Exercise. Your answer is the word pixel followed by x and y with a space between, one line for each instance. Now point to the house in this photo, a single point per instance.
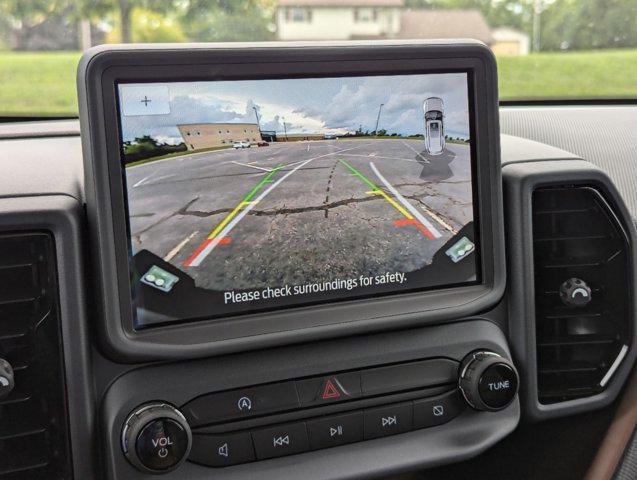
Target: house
pixel 338 19
pixel 507 41
pixel 374 19
pixel 415 24
pixel 208 135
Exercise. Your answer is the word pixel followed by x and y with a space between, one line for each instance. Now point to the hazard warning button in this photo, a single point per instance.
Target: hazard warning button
pixel 335 388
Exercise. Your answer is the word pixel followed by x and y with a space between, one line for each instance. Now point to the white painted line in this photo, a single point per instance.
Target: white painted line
pixel 613 368
pixel 406 204
pixel 252 166
pixel 228 228
pixel 293 163
pixel 414 150
pixel 183 157
pixel 439 220
pixel 384 158
pixel 179 246
pixel 142 180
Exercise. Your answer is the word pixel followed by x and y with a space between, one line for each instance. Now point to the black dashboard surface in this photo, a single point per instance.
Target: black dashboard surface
pixel 602 135
pixel 44 159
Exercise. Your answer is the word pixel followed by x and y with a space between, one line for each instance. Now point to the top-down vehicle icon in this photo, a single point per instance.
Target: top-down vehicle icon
pixel 434 109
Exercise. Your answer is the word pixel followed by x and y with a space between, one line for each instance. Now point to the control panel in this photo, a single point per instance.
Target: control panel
pixel 261 422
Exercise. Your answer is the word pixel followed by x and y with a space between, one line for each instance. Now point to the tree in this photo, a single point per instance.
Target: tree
pixel 228 20
pixel 151 27
pixel 147 147
pixel 43 25
pixel 124 10
pixel 516 14
pixel 590 24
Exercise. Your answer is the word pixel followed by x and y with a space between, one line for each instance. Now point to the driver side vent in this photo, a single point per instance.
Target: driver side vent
pixel 582 292
pixel 34 440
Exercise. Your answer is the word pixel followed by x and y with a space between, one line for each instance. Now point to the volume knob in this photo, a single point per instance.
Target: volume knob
pixel 156 438
pixel 488 381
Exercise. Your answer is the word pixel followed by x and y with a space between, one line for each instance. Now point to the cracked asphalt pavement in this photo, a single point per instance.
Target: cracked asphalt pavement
pixel 312 212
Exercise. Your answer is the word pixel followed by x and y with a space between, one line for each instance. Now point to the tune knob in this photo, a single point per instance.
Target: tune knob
pixel 574 292
pixel 156 438
pixel 488 381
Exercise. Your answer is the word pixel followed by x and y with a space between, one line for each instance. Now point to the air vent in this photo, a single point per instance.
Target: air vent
pixel 34 441
pixel 582 292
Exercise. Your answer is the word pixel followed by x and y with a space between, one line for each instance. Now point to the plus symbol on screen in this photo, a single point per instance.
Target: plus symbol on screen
pixel 146 101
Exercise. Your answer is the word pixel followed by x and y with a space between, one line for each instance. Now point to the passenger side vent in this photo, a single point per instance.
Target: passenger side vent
pixel 34 439
pixel 581 257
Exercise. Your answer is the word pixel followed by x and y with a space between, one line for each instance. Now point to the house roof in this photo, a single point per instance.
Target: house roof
pixel 341 3
pixel 445 24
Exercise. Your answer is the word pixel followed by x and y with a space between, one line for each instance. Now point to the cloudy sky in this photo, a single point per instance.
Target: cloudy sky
pixel 318 105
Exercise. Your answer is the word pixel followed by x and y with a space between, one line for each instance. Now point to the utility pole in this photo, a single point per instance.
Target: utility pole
pixel 85 35
pixel 256 114
pixel 378 119
pixel 537 27
pixel 285 129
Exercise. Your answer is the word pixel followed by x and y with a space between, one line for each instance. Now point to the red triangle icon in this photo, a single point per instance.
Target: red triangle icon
pixel 330 391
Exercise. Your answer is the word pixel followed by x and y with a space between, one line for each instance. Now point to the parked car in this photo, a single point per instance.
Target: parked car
pixel 241 144
pixel 434 109
pixel 262 143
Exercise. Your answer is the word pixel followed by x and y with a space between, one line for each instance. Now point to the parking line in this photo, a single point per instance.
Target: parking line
pixel 414 150
pixel 179 246
pixel 426 223
pixel 384 158
pixel 142 180
pixel 252 166
pixel 228 223
pixel 211 241
pixel 409 218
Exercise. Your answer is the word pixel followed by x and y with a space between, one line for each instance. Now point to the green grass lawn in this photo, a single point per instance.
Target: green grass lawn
pixel 34 84
pixel 594 74
pixel 44 83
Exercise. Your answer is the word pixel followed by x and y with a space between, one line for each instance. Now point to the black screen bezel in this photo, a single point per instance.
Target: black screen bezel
pixel 100 70
pixel 212 316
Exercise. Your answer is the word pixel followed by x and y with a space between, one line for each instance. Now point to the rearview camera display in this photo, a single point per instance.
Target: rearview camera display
pixel 250 195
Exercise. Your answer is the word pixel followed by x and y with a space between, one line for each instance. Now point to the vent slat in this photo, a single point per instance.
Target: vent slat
pixel 574 340
pixel 34 440
pixel 576 235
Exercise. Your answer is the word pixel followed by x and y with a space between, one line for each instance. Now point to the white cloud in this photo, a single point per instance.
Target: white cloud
pixel 310 105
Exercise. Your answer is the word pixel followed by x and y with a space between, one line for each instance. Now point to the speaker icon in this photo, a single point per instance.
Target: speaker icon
pixel 223 450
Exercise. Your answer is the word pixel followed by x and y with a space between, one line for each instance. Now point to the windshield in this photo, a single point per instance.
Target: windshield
pixel 546 49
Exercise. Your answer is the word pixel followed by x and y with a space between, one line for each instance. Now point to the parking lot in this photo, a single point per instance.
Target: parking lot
pixel 300 211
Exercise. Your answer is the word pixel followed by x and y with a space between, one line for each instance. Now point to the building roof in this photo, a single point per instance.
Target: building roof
pixel 214 123
pixel 444 24
pixel 341 3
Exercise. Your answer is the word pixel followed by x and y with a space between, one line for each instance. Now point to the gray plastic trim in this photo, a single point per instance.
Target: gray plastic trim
pixel 463 437
pixel 61 215
pixel 520 180
pixel 102 67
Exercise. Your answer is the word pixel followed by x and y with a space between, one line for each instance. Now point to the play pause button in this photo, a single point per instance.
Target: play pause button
pixel 335 430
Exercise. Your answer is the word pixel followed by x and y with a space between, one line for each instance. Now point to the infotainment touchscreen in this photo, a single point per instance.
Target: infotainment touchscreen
pixel 253 195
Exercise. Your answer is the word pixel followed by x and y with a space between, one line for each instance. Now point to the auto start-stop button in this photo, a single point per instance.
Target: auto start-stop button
pixel 498 385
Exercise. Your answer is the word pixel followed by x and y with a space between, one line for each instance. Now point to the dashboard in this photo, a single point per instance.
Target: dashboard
pixel 213 314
